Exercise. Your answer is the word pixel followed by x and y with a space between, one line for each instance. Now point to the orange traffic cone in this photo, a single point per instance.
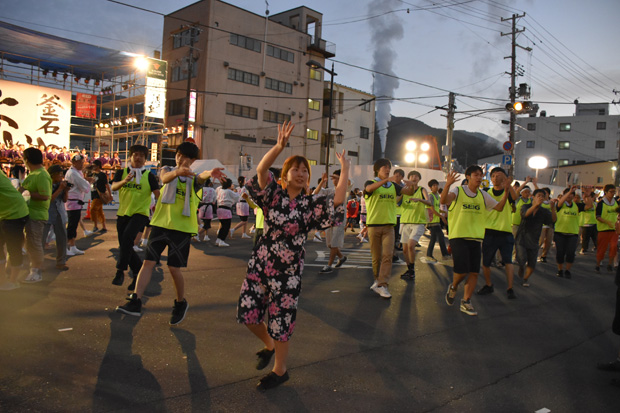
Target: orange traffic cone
pixel 87 211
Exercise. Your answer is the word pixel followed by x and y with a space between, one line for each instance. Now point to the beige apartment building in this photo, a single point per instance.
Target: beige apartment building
pixel 250 73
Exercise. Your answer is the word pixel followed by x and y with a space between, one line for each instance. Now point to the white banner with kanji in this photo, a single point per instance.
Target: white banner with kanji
pixel 34 114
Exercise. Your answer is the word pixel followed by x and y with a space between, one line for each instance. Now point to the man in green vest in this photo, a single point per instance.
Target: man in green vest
pixel 134 185
pixel 498 234
pixel 13 218
pixel 380 195
pixel 566 234
pixel 467 206
pixel 606 217
pixel 413 221
pixel 174 223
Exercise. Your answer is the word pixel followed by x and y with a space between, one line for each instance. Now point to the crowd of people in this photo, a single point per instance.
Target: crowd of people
pixel 508 223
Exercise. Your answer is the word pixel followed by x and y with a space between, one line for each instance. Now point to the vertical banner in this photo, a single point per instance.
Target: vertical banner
pixel 155 95
pixel 86 106
pixel 34 114
pixel 192 106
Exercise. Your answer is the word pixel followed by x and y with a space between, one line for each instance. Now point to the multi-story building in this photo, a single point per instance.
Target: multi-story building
pixel 590 135
pixel 250 73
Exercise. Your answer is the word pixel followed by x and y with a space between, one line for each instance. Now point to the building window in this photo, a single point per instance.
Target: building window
pixel 180 72
pixel 599 180
pixel 241 111
pixel 366 107
pixel 530 144
pixel 564 145
pixel 312 134
pixel 564 127
pixel 314 104
pixel 280 54
pixel 176 107
pixel 364 132
pixel 599 144
pixel 315 74
pixel 311 162
pixel 275 117
pixel 245 42
pixel 601 112
pixel 184 38
pixel 531 126
pixel 601 125
pixel 241 76
pixel 352 153
pixel 279 86
pixel 562 162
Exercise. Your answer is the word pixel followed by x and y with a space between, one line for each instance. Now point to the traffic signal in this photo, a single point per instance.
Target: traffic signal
pixel 520 107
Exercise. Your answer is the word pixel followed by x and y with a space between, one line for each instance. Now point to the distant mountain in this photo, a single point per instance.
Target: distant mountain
pixel 468 146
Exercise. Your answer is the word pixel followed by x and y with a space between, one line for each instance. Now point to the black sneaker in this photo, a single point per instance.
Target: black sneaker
pixel 405 275
pixel 341 261
pixel 103 231
pixel 132 285
pixel 542 259
pixel 133 307
pixel 178 312
pixel 567 274
pixel 511 294
pixel 486 289
pixel 119 278
pixel 271 380
pixel 326 270
pixel 450 294
pixel 264 357
pixel 560 273
pixel 610 268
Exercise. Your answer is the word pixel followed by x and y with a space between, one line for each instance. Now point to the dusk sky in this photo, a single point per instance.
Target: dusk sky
pixel 438 46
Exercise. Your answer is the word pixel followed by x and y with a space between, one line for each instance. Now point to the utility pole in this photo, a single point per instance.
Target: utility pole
pixel 447 165
pixel 513 89
pixel 190 66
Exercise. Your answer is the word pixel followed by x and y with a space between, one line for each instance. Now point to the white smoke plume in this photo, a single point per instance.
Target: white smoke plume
pixel 386 30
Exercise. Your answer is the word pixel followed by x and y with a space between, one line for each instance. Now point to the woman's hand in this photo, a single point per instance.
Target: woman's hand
pixel 344 161
pixel 284 133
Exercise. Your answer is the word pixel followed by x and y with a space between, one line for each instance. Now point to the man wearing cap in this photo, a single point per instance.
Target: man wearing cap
pixel 78 188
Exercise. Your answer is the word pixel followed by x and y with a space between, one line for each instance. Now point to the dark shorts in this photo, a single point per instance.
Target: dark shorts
pixel 206 223
pixel 243 218
pixel 526 256
pixel 177 242
pixel 495 240
pixel 466 255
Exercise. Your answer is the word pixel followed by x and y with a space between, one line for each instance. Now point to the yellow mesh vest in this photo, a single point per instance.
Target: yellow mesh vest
pixel 134 198
pixel 467 215
pixel 381 206
pixel 413 212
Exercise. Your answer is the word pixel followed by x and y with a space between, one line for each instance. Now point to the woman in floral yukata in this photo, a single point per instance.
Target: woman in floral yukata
pixel 273 281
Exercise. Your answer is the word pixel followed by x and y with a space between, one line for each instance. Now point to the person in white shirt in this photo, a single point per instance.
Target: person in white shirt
pixel 226 198
pixel 78 188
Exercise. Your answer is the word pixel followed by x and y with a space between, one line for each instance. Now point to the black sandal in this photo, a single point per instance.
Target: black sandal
pixel 264 357
pixel 271 380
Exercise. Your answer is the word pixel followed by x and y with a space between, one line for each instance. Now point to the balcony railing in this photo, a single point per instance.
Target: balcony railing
pixel 327 49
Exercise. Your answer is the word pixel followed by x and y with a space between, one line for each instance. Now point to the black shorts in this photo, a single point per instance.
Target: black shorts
pixel 243 218
pixel 466 255
pixel 206 223
pixel 177 242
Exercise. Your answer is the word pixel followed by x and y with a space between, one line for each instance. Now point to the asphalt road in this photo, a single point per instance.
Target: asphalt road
pixel 63 348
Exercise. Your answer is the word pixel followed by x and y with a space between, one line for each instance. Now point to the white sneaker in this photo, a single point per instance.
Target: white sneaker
pixel 70 253
pixel 245 235
pixel 33 277
pixel 223 244
pixel 87 233
pixel 196 238
pixel 317 238
pixel 76 251
pixel 137 249
pixel 217 242
pixel 206 238
pixel 363 240
pixel 374 285
pixel 8 286
pixel 382 291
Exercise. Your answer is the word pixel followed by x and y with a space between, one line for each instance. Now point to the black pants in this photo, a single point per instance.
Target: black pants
pixel 128 228
pixel 565 245
pixel 436 235
pixel 73 220
pixel 225 227
pixel 589 233
pixel 12 235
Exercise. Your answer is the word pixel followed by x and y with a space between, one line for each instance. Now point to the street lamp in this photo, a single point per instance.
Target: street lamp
pixel 316 65
pixel 537 162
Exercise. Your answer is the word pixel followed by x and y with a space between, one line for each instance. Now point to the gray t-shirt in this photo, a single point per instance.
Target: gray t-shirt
pixel 529 231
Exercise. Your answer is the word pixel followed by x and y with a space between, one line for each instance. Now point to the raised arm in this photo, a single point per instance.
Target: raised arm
pixel 262 170
pixel 446 196
pixel 343 182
